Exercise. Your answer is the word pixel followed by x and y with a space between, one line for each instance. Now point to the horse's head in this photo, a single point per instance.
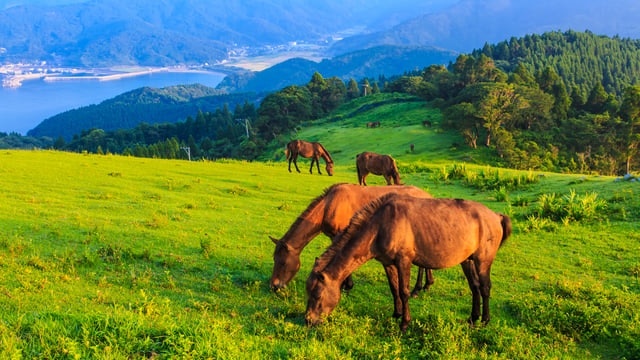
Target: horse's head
pixel 285 265
pixel 323 295
pixel 329 168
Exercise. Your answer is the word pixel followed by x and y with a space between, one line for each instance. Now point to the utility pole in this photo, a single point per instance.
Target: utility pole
pixel 246 125
pixel 188 150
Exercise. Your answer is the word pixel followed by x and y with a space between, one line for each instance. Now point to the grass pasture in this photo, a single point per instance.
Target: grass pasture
pixel 118 257
pixel 113 257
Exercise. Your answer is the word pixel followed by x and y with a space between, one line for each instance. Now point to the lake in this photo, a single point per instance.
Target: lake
pixel 23 108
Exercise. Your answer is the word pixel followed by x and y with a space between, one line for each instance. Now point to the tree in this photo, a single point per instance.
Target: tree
pixel 281 111
pixel 497 107
pixel 353 92
pixel 630 111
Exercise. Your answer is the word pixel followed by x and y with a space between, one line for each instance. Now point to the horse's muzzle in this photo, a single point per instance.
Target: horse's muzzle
pixel 276 285
pixel 312 322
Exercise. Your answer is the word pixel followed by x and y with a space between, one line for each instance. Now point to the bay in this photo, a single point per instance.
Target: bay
pixel 23 108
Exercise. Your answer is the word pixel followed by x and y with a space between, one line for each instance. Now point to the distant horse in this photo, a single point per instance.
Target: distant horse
pixel 330 213
pixel 313 150
pixel 373 124
pixel 426 123
pixel 385 165
pixel 412 147
pixel 399 230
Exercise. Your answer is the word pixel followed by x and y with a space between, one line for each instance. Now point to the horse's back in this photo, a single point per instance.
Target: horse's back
pixel 440 232
pixel 341 201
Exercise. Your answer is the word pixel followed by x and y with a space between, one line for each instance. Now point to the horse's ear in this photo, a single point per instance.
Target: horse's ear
pixel 275 241
pixel 315 263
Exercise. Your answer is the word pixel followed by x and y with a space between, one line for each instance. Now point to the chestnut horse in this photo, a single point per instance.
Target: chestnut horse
pixel 373 124
pixel 400 230
pixel 330 213
pixel 385 165
pixel 313 150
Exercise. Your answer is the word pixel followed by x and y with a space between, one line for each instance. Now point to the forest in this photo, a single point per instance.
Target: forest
pixel 560 101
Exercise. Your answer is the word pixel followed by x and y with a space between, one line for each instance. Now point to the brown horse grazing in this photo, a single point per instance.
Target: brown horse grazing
pixel 313 150
pixel 400 230
pixel 385 165
pixel 373 124
pixel 330 213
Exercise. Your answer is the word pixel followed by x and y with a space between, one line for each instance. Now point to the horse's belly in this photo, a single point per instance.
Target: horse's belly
pixel 444 256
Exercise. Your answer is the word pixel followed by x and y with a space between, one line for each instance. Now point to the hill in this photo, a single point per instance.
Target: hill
pixel 369 63
pixel 144 105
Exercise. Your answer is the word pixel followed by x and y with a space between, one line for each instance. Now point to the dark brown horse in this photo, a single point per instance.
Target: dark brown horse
pixel 330 213
pixel 385 165
pixel 400 230
pixel 373 124
pixel 313 150
pixel 426 123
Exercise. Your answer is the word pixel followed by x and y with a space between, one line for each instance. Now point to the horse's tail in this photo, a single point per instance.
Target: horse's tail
pixel 358 168
pixel 288 153
pixel 395 173
pixel 505 221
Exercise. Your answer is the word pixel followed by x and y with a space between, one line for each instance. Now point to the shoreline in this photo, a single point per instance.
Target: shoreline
pixel 113 74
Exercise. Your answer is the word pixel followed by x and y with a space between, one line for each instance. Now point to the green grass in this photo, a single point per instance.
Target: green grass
pixel 117 257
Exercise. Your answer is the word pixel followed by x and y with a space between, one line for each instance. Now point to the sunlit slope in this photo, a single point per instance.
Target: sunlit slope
pixel 345 133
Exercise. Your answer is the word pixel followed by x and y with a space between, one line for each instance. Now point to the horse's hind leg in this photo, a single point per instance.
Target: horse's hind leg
pixel 469 268
pixel 363 178
pixel 484 274
pixel 392 277
pixel 295 162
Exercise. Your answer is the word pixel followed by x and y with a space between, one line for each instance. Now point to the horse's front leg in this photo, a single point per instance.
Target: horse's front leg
pixel 428 275
pixel 404 280
pixel 392 277
pixel 317 160
pixel 347 284
pixel 469 268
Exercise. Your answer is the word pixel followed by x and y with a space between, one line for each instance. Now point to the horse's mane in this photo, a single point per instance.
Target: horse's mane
pixel 328 159
pixel 360 218
pixel 310 208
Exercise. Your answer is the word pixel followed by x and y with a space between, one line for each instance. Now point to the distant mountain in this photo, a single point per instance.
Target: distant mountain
pixel 469 24
pixel 167 32
pixel 371 63
pixel 148 105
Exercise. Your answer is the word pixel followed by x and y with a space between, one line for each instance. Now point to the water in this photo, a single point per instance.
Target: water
pixel 23 108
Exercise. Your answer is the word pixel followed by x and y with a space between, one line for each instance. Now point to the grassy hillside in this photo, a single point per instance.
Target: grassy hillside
pixel 119 257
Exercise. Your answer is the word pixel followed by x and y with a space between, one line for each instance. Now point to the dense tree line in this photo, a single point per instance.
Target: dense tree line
pixel 533 119
pixel 146 104
pixel 242 133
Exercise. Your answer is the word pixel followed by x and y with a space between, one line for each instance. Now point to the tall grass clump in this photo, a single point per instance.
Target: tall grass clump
pixel 571 207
